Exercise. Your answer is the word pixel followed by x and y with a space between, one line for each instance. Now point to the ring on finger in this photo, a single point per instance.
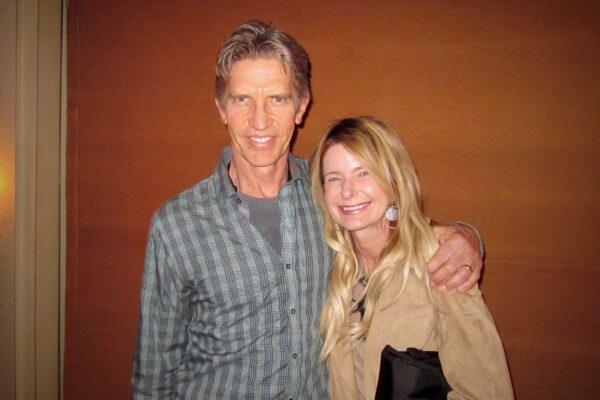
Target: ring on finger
pixel 467 266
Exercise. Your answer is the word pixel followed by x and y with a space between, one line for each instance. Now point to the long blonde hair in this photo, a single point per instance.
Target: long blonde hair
pixel 410 243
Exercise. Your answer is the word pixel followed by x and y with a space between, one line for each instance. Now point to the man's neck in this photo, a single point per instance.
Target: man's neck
pixel 260 182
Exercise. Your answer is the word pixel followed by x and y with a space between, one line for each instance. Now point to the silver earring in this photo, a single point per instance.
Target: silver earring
pixel 391 213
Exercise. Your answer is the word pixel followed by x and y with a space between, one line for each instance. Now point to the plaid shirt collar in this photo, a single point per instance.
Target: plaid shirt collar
pixel 225 188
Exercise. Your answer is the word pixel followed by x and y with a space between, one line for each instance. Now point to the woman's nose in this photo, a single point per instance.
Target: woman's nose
pixel 348 188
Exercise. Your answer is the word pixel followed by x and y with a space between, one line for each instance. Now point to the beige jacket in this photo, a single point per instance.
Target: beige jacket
pixel 463 333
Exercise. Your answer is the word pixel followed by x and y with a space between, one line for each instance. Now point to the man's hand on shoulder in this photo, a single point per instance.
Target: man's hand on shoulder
pixel 457 263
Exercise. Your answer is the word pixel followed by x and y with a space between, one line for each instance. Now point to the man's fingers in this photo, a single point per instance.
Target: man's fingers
pixel 443 273
pixel 461 276
pixel 472 281
pixel 447 266
pixel 435 265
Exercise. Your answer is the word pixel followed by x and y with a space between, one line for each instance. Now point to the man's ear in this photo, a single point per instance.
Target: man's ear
pixel 221 111
pixel 302 109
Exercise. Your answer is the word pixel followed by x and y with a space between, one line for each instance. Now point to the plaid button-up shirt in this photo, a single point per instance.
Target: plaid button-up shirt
pixel 224 316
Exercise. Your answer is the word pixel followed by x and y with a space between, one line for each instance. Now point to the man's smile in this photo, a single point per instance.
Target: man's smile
pixel 260 139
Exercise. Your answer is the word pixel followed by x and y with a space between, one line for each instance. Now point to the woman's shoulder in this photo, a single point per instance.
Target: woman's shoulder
pixel 413 290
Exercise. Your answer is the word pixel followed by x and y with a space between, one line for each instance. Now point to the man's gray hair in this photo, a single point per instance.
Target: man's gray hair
pixel 256 39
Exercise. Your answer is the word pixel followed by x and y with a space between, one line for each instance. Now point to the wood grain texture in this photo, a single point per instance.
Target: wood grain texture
pixel 496 102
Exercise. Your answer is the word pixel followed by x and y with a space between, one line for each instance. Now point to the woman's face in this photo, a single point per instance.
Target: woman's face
pixel 353 197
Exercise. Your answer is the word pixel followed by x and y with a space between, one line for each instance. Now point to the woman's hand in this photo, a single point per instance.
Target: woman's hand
pixel 457 263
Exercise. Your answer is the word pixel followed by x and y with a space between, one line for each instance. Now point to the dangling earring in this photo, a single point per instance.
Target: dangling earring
pixel 391 213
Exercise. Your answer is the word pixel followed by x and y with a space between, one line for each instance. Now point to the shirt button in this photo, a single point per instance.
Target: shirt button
pixel 294 356
pixel 238 200
pixel 293 311
pixel 288 266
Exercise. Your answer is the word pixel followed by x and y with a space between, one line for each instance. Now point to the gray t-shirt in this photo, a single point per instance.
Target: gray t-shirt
pixel 264 215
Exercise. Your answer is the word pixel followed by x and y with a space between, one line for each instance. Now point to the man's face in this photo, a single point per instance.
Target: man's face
pixel 260 112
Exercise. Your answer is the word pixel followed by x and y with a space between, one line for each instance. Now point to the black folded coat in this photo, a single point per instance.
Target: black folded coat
pixel 410 375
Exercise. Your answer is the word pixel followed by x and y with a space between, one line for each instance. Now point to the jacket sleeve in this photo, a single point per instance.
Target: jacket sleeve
pixel 470 349
pixel 162 327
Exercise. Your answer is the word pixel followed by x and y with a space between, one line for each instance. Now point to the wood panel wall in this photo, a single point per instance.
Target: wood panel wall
pixel 497 102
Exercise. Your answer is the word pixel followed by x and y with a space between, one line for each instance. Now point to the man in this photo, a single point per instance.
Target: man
pixel 236 266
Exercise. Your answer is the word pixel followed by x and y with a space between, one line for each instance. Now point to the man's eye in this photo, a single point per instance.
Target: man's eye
pixel 240 99
pixel 279 99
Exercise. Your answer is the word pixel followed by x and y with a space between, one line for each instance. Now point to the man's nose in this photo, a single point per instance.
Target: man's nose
pixel 260 116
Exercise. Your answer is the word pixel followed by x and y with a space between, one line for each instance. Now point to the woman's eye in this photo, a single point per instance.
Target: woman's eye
pixel 363 173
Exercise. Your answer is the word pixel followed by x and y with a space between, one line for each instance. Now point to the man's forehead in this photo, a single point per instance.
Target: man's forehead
pixel 253 66
pixel 259 73
pixel 262 59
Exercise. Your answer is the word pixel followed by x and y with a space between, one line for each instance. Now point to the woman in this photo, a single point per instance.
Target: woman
pixel 378 294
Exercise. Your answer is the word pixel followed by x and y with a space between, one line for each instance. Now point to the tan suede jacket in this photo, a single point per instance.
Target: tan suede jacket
pixel 461 330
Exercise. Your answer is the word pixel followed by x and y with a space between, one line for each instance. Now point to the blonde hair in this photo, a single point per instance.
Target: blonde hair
pixel 409 245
